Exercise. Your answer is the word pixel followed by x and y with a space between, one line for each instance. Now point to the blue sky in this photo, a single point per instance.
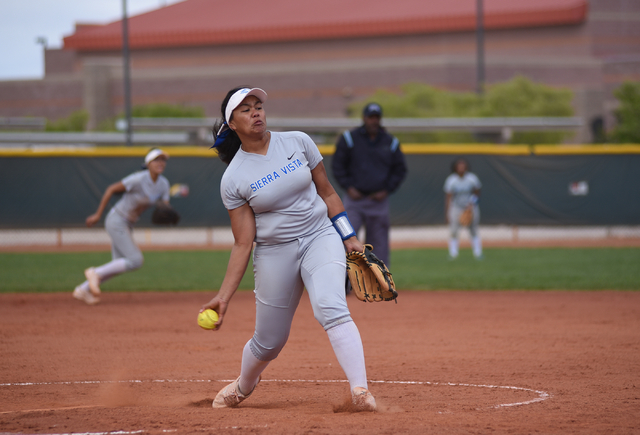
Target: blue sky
pixel 23 21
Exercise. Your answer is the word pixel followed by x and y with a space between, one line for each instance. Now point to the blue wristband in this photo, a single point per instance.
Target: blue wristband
pixel 473 199
pixel 343 226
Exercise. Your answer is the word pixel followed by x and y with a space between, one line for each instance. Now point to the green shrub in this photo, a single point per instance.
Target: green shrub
pixel 628 114
pixel 422 101
pixel 76 121
pixel 107 125
pixel 162 110
pixel 159 110
pixel 517 97
pixel 521 97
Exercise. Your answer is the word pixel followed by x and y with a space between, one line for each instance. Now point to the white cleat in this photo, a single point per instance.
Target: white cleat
pixel 85 296
pixel 231 396
pixel 363 400
pixel 94 281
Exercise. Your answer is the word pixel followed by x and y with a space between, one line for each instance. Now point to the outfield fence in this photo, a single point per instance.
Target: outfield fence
pixel 541 191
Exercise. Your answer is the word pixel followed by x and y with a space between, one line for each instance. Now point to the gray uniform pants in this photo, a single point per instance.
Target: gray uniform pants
pixel 454 220
pixel 122 244
pixel 281 272
pixel 374 215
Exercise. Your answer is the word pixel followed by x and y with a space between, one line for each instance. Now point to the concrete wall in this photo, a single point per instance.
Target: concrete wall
pixel 52 98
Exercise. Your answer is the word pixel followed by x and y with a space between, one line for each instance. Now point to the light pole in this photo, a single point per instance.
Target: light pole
pixel 479 47
pixel 126 73
pixel 42 40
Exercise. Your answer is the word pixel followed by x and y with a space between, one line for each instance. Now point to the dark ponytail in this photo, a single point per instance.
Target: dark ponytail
pixel 229 145
pixel 228 148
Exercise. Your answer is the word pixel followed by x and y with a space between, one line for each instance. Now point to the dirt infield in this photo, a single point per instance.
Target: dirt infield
pixel 440 363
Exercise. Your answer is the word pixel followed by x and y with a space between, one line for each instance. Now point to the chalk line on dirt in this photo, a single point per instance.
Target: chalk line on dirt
pixel 542 395
pixel 134 432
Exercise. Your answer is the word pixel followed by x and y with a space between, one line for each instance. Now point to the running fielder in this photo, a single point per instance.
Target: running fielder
pixel 140 190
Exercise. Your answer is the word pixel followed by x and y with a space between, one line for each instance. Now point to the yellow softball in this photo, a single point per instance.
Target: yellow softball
pixel 207 319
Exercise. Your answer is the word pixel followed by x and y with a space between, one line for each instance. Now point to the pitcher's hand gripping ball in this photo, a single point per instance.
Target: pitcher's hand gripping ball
pixel 370 279
pixel 207 319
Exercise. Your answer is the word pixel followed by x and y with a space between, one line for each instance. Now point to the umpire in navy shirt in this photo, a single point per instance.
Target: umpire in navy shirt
pixel 369 165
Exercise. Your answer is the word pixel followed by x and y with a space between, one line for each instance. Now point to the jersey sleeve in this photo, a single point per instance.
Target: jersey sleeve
pixel 311 151
pixel 130 181
pixel 448 184
pixel 230 194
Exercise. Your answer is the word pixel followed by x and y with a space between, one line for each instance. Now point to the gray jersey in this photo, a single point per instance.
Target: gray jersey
pixel 461 188
pixel 278 188
pixel 141 193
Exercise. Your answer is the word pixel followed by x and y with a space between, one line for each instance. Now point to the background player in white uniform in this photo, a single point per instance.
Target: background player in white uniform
pixel 277 194
pixel 140 190
pixel 462 189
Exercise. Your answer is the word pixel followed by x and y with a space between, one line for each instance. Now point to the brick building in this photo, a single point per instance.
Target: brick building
pixel 314 58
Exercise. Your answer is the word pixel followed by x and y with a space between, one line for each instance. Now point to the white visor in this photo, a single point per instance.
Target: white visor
pixel 154 154
pixel 238 98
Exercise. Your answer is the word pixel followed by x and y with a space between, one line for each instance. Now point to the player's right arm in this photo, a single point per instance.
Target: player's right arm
pixel 243 226
pixel 448 194
pixel 111 190
pixel 447 203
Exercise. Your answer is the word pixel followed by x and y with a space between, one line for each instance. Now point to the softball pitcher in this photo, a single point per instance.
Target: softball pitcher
pixel 140 190
pixel 277 194
pixel 462 190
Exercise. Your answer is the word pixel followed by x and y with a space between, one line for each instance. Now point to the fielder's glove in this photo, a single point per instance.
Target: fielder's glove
pixel 370 279
pixel 164 214
pixel 466 217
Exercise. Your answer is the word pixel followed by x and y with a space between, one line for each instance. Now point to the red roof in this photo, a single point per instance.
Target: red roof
pixel 217 22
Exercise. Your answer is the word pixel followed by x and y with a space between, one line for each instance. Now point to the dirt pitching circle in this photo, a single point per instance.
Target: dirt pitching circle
pixel 439 362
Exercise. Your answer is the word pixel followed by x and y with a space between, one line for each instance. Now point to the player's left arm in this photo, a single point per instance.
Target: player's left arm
pixel 475 193
pixel 474 198
pixel 333 202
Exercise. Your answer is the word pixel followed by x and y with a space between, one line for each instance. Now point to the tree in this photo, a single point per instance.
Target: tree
pixel 76 121
pixel 159 110
pixel 628 114
pixel 517 97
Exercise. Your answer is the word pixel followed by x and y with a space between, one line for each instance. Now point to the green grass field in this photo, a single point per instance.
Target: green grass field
pixel 417 269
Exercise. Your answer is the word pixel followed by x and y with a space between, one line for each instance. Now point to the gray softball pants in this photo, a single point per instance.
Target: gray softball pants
pixel 122 244
pixel 454 220
pixel 281 273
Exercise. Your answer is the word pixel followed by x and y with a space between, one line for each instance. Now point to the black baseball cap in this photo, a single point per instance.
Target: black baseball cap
pixel 372 109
